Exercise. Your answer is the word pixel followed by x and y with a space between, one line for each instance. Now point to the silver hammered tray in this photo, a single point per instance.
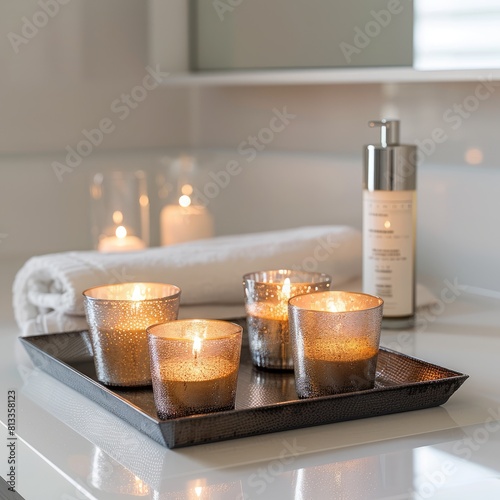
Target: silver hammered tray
pixel 265 401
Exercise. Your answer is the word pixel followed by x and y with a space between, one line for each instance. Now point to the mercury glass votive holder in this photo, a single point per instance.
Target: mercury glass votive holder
pixel 335 340
pixel 266 303
pixel 194 366
pixel 118 316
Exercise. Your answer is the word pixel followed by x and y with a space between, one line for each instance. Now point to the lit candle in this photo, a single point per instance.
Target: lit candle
pixel 335 337
pixel 266 298
pixel 185 222
pixel 268 329
pixel 118 316
pixel 121 242
pixel 198 387
pixel 194 366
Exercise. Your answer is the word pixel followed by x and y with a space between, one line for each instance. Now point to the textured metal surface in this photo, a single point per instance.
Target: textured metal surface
pixel 402 384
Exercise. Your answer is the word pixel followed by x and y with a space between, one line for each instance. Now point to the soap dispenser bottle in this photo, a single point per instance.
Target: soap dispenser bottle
pixel 389 224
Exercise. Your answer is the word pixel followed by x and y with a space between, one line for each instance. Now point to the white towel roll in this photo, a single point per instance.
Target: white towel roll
pixel 47 291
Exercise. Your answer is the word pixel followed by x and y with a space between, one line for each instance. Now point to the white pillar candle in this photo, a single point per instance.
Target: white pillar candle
pixel 185 222
pixel 121 242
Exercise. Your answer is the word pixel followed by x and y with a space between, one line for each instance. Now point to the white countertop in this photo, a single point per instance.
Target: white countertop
pixel 70 448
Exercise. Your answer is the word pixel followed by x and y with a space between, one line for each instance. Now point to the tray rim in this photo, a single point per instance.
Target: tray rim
pixel 27 341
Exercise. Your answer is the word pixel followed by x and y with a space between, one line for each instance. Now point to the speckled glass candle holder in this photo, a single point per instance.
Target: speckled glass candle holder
pixel 118 316
pixel 335 341
pixel 266 302
pixel 194 366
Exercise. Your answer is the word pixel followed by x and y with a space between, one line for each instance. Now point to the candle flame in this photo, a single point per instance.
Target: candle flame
pixel 337 305
pixel 196 346
pixel 331 306
pixel 121 232
pixel 286 289
pixel 198 490
pixel 184 201
pixel 137 293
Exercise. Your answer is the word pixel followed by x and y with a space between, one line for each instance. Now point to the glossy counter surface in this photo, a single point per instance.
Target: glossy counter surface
pixel 71 448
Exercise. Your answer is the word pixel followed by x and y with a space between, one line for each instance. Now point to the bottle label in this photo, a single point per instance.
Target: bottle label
pixel 389 249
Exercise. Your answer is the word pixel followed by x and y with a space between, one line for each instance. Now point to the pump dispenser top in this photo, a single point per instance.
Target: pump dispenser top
pixel 389 166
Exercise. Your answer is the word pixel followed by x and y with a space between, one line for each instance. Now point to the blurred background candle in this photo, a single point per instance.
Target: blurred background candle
pixel 119 211
pixel 185 222
pixel 184 217
pixel 121 242
pixel 335 340
pixel 118 316
pixel 194 366
pixel 266 302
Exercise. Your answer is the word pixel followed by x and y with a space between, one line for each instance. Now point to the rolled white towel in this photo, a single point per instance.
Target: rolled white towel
pixel 47 290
